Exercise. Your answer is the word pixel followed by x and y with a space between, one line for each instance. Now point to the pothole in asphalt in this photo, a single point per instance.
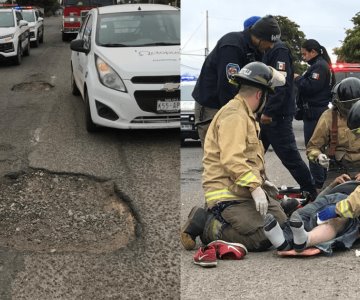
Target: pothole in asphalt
pixel 32 86
pixel 46 212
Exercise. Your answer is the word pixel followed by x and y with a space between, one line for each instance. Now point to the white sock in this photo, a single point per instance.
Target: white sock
pixel 274 233
pixel 299 233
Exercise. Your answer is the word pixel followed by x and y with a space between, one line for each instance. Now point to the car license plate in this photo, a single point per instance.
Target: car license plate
pixel 168 105
pixel 186 127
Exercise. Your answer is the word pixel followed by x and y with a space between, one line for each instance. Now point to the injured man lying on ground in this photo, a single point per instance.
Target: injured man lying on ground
pixel 304 229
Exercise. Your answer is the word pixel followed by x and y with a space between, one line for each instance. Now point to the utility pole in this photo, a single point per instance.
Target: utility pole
pixel 207 36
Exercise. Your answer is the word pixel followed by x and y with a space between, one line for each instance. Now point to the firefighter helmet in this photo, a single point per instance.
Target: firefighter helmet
pixel 260 75
pixel 353 120
pixel 345 94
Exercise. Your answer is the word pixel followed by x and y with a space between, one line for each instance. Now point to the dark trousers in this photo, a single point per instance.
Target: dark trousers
pixel 318 172
pixel 245 224
pixel 280 135
pixel 203 118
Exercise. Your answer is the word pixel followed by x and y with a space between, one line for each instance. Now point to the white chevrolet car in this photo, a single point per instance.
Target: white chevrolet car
pixel 14 35
pixel 32 15
pixel 126 65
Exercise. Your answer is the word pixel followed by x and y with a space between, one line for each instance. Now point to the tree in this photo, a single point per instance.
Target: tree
pixel 293 37
pixel 350 49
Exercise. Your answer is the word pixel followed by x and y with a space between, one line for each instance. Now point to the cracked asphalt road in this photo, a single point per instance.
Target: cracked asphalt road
pixel 82 216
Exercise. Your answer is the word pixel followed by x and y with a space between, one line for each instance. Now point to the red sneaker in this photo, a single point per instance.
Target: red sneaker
pixel 206 257
pixel 226 250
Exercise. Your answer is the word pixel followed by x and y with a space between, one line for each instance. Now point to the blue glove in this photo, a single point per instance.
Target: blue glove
pixel 327 213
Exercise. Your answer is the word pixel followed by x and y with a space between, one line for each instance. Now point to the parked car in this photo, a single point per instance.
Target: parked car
pixel 125 64
pixel 14 35
pixel 344 70
pixel 188 129
pixel 32 15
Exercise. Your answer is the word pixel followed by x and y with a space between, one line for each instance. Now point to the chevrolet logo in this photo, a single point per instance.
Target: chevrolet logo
pixel 171 86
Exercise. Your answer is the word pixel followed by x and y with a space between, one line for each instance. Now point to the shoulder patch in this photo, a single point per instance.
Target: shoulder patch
pixel 281 66
pixel 231 69
pixel 315 76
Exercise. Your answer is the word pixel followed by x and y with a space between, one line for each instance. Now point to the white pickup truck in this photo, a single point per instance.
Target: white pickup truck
pixel 14 35
pixel 33 16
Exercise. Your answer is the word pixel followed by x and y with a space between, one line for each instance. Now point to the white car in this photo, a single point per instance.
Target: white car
pixel 188 129
pixel 14 35
pixel 126 65
pixel 36 23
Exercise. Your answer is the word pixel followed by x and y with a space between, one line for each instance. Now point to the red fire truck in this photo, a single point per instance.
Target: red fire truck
pixel 74 12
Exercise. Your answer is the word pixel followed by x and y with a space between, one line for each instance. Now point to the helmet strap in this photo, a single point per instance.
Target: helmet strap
pixel 264 95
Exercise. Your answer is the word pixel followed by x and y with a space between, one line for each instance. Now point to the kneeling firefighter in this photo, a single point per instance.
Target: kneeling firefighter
pixel 237 193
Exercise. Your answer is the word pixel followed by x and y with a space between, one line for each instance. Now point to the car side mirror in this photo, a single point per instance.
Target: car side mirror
pixel 23 23
pixel 78 46
pixel 40 19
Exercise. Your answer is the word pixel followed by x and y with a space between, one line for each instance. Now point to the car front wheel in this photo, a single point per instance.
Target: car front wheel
pixel 27 50
pixel 37 42
pixel 90 126
pixel 41 40
pixel 74 89
pixel 17 58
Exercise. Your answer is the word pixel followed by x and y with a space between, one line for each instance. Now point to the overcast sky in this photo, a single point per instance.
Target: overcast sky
pixel 323 20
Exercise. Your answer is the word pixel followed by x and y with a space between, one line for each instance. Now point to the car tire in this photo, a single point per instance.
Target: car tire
pixel 90 126
pixel 18 57
pixel 41 40
pixel 65 38
pixel 74 89
pixel 27 50
pixel 37 42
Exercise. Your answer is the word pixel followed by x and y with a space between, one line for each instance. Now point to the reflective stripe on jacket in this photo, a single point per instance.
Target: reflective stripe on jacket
pixel 348 146
pixel 233 154
pixel 350 207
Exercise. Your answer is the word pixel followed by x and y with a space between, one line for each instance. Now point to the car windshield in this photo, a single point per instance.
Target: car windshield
pixel 138 29
pixel 6 19
pixel 186 91
pixel 87 2
pixel 28 15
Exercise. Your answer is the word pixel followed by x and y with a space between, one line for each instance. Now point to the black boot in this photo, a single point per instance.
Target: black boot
pixel 193 227
pixel 212 229
pixel 289 205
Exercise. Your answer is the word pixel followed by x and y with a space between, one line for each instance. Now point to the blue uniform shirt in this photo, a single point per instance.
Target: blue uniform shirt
pixel 315 85
pixel 282 102
pixel 233 51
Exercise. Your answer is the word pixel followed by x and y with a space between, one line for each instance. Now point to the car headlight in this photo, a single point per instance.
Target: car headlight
pixel 7 37
pixel 108 76
pixel 187 106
